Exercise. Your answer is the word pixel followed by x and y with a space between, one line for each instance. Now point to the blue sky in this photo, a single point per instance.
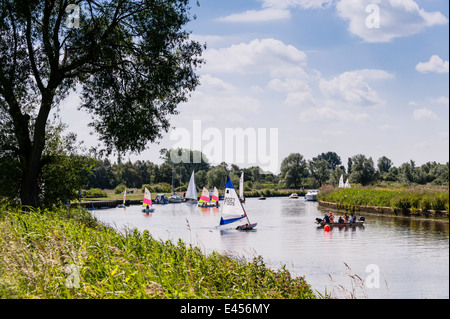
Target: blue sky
pixel 315 71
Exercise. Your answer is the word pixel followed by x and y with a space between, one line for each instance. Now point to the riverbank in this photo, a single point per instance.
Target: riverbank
pixel 412 202
pixel 68 254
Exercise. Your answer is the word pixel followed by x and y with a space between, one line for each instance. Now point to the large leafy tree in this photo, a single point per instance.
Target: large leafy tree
pixel 293 169
pixel 363 170
pixel 132 61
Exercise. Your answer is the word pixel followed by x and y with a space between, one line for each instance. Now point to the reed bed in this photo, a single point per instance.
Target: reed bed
pixel 68 254
pixel 398 199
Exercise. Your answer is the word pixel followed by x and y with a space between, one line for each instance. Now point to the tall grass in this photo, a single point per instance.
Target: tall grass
pixel 68 254
pixel 400 199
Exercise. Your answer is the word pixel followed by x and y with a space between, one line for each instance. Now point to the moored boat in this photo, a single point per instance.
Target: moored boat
pixel 311 195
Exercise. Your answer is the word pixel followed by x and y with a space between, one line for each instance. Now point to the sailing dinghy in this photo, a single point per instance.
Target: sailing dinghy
pixel 215 197
pixel 205 200
pixel 147 202
pixel 191 193
pixel 124 199
pixel 233 211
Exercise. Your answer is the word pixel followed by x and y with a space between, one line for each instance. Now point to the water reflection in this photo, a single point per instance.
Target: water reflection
pixel 412 255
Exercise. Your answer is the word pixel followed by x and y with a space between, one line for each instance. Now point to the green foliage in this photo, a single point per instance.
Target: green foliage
pixel 217 177
pixel 293 169
pixel 158 188
pixel 133 61
pixel 63 254
pixel 94 193
pixel 363 170
pixel 119 189
pixel 401 199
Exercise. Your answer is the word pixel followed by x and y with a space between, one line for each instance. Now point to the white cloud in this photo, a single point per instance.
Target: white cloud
pixel 258 56
pixel 351 87
pixel 424 114
pixel 398 18
pixel 435 64
pixel 273 10
pixel 331 114
pixel 288 85
pixel 300 98
pixel 441 100
pixel 208 81
pixel 374 74
pixel 270 14
pixel 305 4
pixel 385 128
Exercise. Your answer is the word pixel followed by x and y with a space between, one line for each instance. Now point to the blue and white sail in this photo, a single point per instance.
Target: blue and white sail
pixel 232 208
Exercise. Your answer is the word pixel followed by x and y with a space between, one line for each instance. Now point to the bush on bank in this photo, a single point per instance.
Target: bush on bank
pixel 68 254
pixel 399 199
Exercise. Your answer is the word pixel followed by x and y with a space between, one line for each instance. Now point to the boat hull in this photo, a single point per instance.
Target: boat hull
pixel 358 223
pixel 247 227
pixel 311 198
pixel 207 206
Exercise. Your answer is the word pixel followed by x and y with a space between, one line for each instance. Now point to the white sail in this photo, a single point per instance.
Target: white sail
pixel 147 202
pixel 232 208
pixel 204 197
pixel 341 182
pixel 215 196
pixel 347 184
pixel 241 187
pixel 191 192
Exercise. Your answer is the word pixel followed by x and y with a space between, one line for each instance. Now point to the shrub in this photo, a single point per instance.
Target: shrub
pixel 119 189
pixel 94 192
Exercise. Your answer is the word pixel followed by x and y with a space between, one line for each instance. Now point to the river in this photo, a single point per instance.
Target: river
pixel 392 257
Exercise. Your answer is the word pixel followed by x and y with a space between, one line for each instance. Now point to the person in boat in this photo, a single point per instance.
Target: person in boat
pixel 326 218
pixel 341 220
pixel 346 218
pixel 353 220
pixel 331 218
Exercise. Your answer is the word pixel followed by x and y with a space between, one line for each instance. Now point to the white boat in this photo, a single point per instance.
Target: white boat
pixel 241 188
pixel 233 211
pixel 174 199
pixel 147 202
pixel 191 193
pixel 294 195
pixel 311 195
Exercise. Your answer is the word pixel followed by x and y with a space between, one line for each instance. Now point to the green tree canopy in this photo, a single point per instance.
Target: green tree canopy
pixel 132 59
pixel 293 169
pixel 363 170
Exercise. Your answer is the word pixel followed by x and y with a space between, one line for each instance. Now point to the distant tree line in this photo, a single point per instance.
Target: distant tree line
pixel 296 172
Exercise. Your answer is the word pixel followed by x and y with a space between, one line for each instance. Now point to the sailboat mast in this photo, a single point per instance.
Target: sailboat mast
pixel 246 216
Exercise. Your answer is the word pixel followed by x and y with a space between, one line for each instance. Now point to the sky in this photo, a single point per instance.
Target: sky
pixel 311 76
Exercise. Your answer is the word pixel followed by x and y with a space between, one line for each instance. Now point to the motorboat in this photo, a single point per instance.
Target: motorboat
pixel 174 199
pixel 311 195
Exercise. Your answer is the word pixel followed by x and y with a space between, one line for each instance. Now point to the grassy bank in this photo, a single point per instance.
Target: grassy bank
pixel 412 199
pixel 67 254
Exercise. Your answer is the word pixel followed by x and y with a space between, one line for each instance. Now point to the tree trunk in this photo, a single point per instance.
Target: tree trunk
pixel 30 188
